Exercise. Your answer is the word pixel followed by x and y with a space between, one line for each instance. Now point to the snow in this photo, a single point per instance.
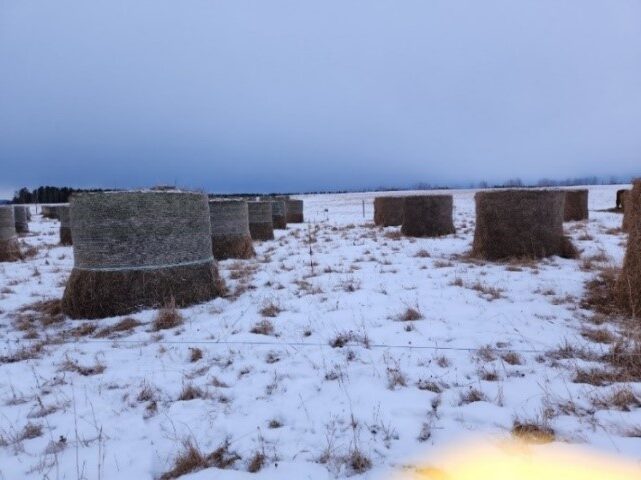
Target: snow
pixel 335 274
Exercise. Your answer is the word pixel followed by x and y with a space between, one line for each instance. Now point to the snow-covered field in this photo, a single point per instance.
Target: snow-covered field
pixel 347 369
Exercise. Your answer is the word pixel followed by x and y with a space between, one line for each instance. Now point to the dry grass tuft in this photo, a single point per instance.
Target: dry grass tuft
pixel 512 358
pixel 533 432
pixel 599 335
pixel 472 395
pixel 264 327
pixel 189 460
pixel 125 325
pixel 270 310
pixel 195 354
pixel 342 339
pixel 257 462
pixel 358 461
pixel 43 312
pixel 167 317
pixel 191 392
pixel 410 315
pixel 621 398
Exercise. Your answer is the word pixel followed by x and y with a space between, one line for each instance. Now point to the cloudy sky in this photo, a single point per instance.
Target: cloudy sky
pixel 290 95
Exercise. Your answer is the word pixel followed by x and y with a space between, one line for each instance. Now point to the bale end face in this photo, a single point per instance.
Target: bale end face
pixel 261 231
pixel 65 236
pixel 428 216
pixel 388 211
pixel 98 294
pixel 520 224
pixel 225 247
pixel 10 250
pixel 628 285
pixel 576 205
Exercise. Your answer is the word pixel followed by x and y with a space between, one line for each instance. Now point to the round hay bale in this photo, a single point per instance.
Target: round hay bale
pixel 230 237
pixel 520 223
pixel 48 211
pixel 261 225
pixel 628 285
pixel 625 205
pixel 21 218
pixel 279 214
pixel 427 216
pixel 65 225
pixel 620 198
pixel 9 248
pixel 388 211
pixel 294 211
pixel 138 249
pixel 576 205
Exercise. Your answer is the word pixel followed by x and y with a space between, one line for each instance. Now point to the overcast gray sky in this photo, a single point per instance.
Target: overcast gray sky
pixel 265 95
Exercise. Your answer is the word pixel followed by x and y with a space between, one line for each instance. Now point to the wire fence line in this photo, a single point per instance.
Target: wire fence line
pixel 363 344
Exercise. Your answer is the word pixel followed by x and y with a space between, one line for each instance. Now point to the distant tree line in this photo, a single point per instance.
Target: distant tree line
pixel 46 194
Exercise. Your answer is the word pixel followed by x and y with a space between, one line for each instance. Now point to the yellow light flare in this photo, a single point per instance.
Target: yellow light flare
pixel 517 461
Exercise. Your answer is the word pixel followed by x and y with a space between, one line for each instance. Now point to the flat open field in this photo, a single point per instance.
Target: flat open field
pixel 341 344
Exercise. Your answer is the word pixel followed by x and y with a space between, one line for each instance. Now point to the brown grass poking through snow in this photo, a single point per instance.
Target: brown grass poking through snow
pixel 191 459
pixel 125 325
pixel 533 432
pixel 264 327
pixel 195 354
pixel 256 462
pixel 270 310
pixel 410 315
pixel 167 317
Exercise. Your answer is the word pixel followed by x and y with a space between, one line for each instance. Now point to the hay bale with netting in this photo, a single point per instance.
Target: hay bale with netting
pixel 520 224
pixel 627 207
pixel 9 247
pixel 620 200
pixel 628 285
pixel 230 236
pixel 65 225
pixel 48 211
pixel 139 249
pixel 427 216
pixel 388 211
pixel 294 211
pixel 261 225
pixel 576 205
pixel 279 214
pixel 21 218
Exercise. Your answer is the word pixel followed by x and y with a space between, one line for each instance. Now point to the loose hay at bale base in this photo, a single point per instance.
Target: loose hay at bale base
pixel 628 285
pixel 427 216
pixel 230 236
pixel 65 225
pixel 388 211
pixel 520 224
pixel 139 249
pixel 294 210
pixel 576 205
pixel 21 216
pixel 260 220
pixel 9 247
